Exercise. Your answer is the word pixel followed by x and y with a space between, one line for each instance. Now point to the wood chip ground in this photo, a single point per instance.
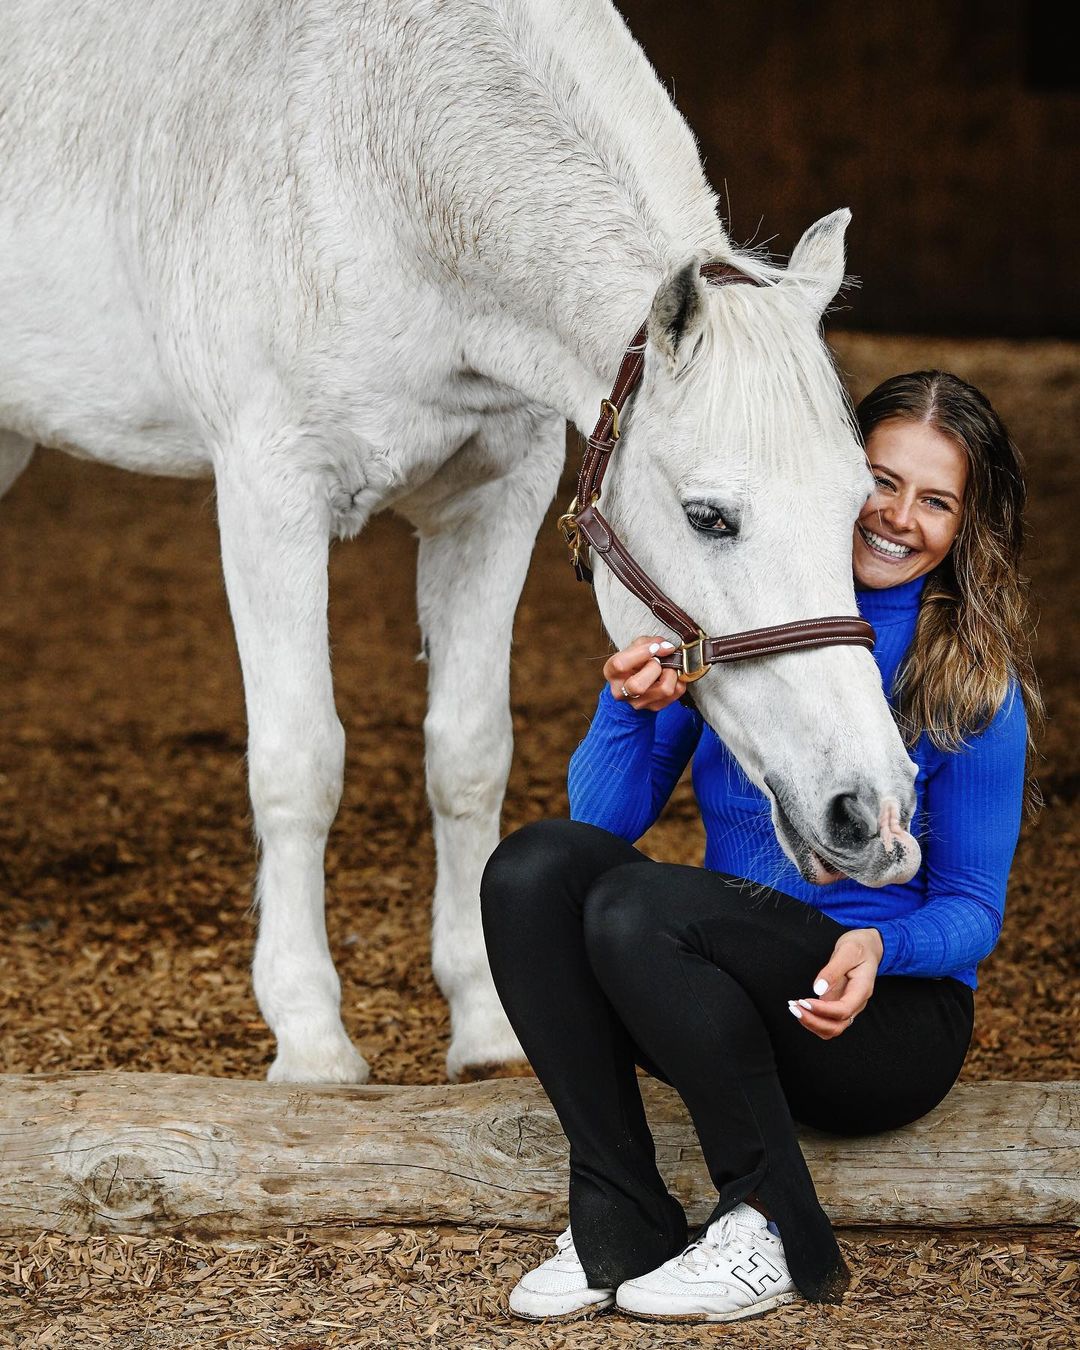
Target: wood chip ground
pixel 435 1288
pixel 126 862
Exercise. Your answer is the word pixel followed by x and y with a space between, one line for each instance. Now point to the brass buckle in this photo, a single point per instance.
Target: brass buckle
pixel 607 403
pixel 567 525
pixel 691 673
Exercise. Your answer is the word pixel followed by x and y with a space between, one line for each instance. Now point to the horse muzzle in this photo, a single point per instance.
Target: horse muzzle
pixel 856 838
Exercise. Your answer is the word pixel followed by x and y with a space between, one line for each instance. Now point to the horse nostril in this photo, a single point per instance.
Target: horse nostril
pixel 847 823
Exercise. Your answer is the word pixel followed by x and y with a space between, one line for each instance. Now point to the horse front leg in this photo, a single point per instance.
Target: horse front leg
pixel 473 556
pixel 275 531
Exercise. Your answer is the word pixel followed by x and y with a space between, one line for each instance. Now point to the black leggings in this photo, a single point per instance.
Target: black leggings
pixel 605 959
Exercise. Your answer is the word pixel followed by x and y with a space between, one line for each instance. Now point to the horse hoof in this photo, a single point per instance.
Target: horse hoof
pixel 332 1059
pixel 482 1040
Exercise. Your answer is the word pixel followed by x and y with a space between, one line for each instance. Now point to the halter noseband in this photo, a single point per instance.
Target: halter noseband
pixel 584 525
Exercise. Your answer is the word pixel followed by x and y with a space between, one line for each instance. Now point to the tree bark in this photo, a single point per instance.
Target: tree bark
pixel 210 1158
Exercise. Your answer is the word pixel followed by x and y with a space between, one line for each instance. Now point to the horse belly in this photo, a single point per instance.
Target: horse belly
pixel 79 360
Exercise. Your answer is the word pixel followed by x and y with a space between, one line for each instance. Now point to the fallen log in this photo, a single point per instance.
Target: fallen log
pixel 210 1158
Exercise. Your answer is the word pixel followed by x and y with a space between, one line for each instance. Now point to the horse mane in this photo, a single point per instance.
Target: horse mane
pixel 773 351
pixel 607 93
pixel 770 356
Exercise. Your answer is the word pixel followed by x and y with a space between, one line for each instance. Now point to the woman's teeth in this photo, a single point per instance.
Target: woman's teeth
pixel 884 545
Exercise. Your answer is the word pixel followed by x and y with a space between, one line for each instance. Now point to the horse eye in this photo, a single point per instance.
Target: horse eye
pixel 709 519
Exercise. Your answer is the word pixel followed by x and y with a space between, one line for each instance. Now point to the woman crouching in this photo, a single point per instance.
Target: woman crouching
pixel 762 999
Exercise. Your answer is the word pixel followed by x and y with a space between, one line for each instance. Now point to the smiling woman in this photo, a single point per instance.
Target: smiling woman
pixel 949 500
pixel 911 518
pixel 703 975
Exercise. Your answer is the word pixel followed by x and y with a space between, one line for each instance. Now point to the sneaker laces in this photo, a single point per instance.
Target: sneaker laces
pixel 703 1253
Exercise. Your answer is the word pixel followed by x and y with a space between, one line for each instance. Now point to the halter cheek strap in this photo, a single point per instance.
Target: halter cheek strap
pixel 583 525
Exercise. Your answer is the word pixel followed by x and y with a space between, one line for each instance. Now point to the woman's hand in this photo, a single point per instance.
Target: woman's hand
pixel 637 677
pixel 844 986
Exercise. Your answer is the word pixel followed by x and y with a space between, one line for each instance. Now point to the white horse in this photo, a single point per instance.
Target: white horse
pixel 346 255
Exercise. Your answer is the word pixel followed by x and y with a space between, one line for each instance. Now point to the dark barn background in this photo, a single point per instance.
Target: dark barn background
pixel 950 127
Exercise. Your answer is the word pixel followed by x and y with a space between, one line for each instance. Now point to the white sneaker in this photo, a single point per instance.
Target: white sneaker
pixel 736 1270
pixel 558 1288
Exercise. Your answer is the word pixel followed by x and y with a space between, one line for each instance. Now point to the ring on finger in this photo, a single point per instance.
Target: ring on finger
pixel 627 695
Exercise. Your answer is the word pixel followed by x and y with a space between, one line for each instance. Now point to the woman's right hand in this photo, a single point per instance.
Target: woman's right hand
pixel 637 677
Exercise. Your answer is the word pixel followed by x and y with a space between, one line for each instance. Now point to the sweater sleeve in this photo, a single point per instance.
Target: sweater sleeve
pixel 973 802
pixel 624 771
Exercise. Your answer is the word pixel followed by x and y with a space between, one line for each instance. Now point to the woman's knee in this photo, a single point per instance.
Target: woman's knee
pixel 622 910
pixel 521 857
pixel 527 864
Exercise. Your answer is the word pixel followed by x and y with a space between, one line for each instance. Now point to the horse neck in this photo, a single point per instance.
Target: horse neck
pixel 578 215
pixel 556 294
pixel 558 331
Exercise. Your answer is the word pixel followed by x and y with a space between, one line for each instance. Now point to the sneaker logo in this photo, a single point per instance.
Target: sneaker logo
pixel 758 1274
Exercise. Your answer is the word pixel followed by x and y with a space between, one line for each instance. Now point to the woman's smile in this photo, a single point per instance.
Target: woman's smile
pixel 891 549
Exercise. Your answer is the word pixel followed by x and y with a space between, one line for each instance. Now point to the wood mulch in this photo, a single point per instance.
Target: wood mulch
pixel 447 1287
pixel 126 864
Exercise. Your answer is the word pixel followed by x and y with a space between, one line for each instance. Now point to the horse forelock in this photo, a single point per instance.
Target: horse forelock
pixel 765 376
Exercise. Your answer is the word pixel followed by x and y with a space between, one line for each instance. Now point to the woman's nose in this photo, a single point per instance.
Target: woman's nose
pixel 898 513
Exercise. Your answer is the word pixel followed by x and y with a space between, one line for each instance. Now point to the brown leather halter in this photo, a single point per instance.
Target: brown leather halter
pixel 584 525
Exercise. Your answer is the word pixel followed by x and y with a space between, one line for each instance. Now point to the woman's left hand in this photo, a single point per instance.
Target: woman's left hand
pixel 844 986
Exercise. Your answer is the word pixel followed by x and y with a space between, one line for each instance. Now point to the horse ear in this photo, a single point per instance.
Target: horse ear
pixel 817 264
pixel 678 314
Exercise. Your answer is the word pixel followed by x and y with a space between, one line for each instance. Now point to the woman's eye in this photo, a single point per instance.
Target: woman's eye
pixel 882 482
pixel 708 519
pixel 938 504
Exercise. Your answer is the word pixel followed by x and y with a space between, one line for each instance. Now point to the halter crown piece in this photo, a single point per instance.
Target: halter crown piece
pixel 584 527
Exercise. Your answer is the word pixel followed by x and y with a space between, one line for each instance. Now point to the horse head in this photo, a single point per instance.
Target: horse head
pixel 736 485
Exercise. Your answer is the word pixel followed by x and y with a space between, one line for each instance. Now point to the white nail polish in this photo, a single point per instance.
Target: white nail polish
pixel 668 646
pixel 795 1010
pixel 805 1003
pixel 654 647
pixel 821 987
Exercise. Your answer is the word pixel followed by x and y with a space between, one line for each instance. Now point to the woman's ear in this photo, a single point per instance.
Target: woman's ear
pixel 817 264
pixel 677 316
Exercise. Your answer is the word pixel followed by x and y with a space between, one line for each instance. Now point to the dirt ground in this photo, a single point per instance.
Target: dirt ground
pixel 126 857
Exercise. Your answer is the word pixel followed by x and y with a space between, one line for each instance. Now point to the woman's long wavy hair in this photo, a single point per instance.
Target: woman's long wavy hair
pixel 973 633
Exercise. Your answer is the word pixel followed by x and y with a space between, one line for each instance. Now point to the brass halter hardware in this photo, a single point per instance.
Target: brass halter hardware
pixel 689 673
pixel 607 405
pixel 567 524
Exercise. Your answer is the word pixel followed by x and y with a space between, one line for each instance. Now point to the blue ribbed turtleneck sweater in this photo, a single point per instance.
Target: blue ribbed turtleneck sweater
pixel 967 818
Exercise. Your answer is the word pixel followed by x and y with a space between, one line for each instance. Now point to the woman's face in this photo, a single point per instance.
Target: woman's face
pixel 911 518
